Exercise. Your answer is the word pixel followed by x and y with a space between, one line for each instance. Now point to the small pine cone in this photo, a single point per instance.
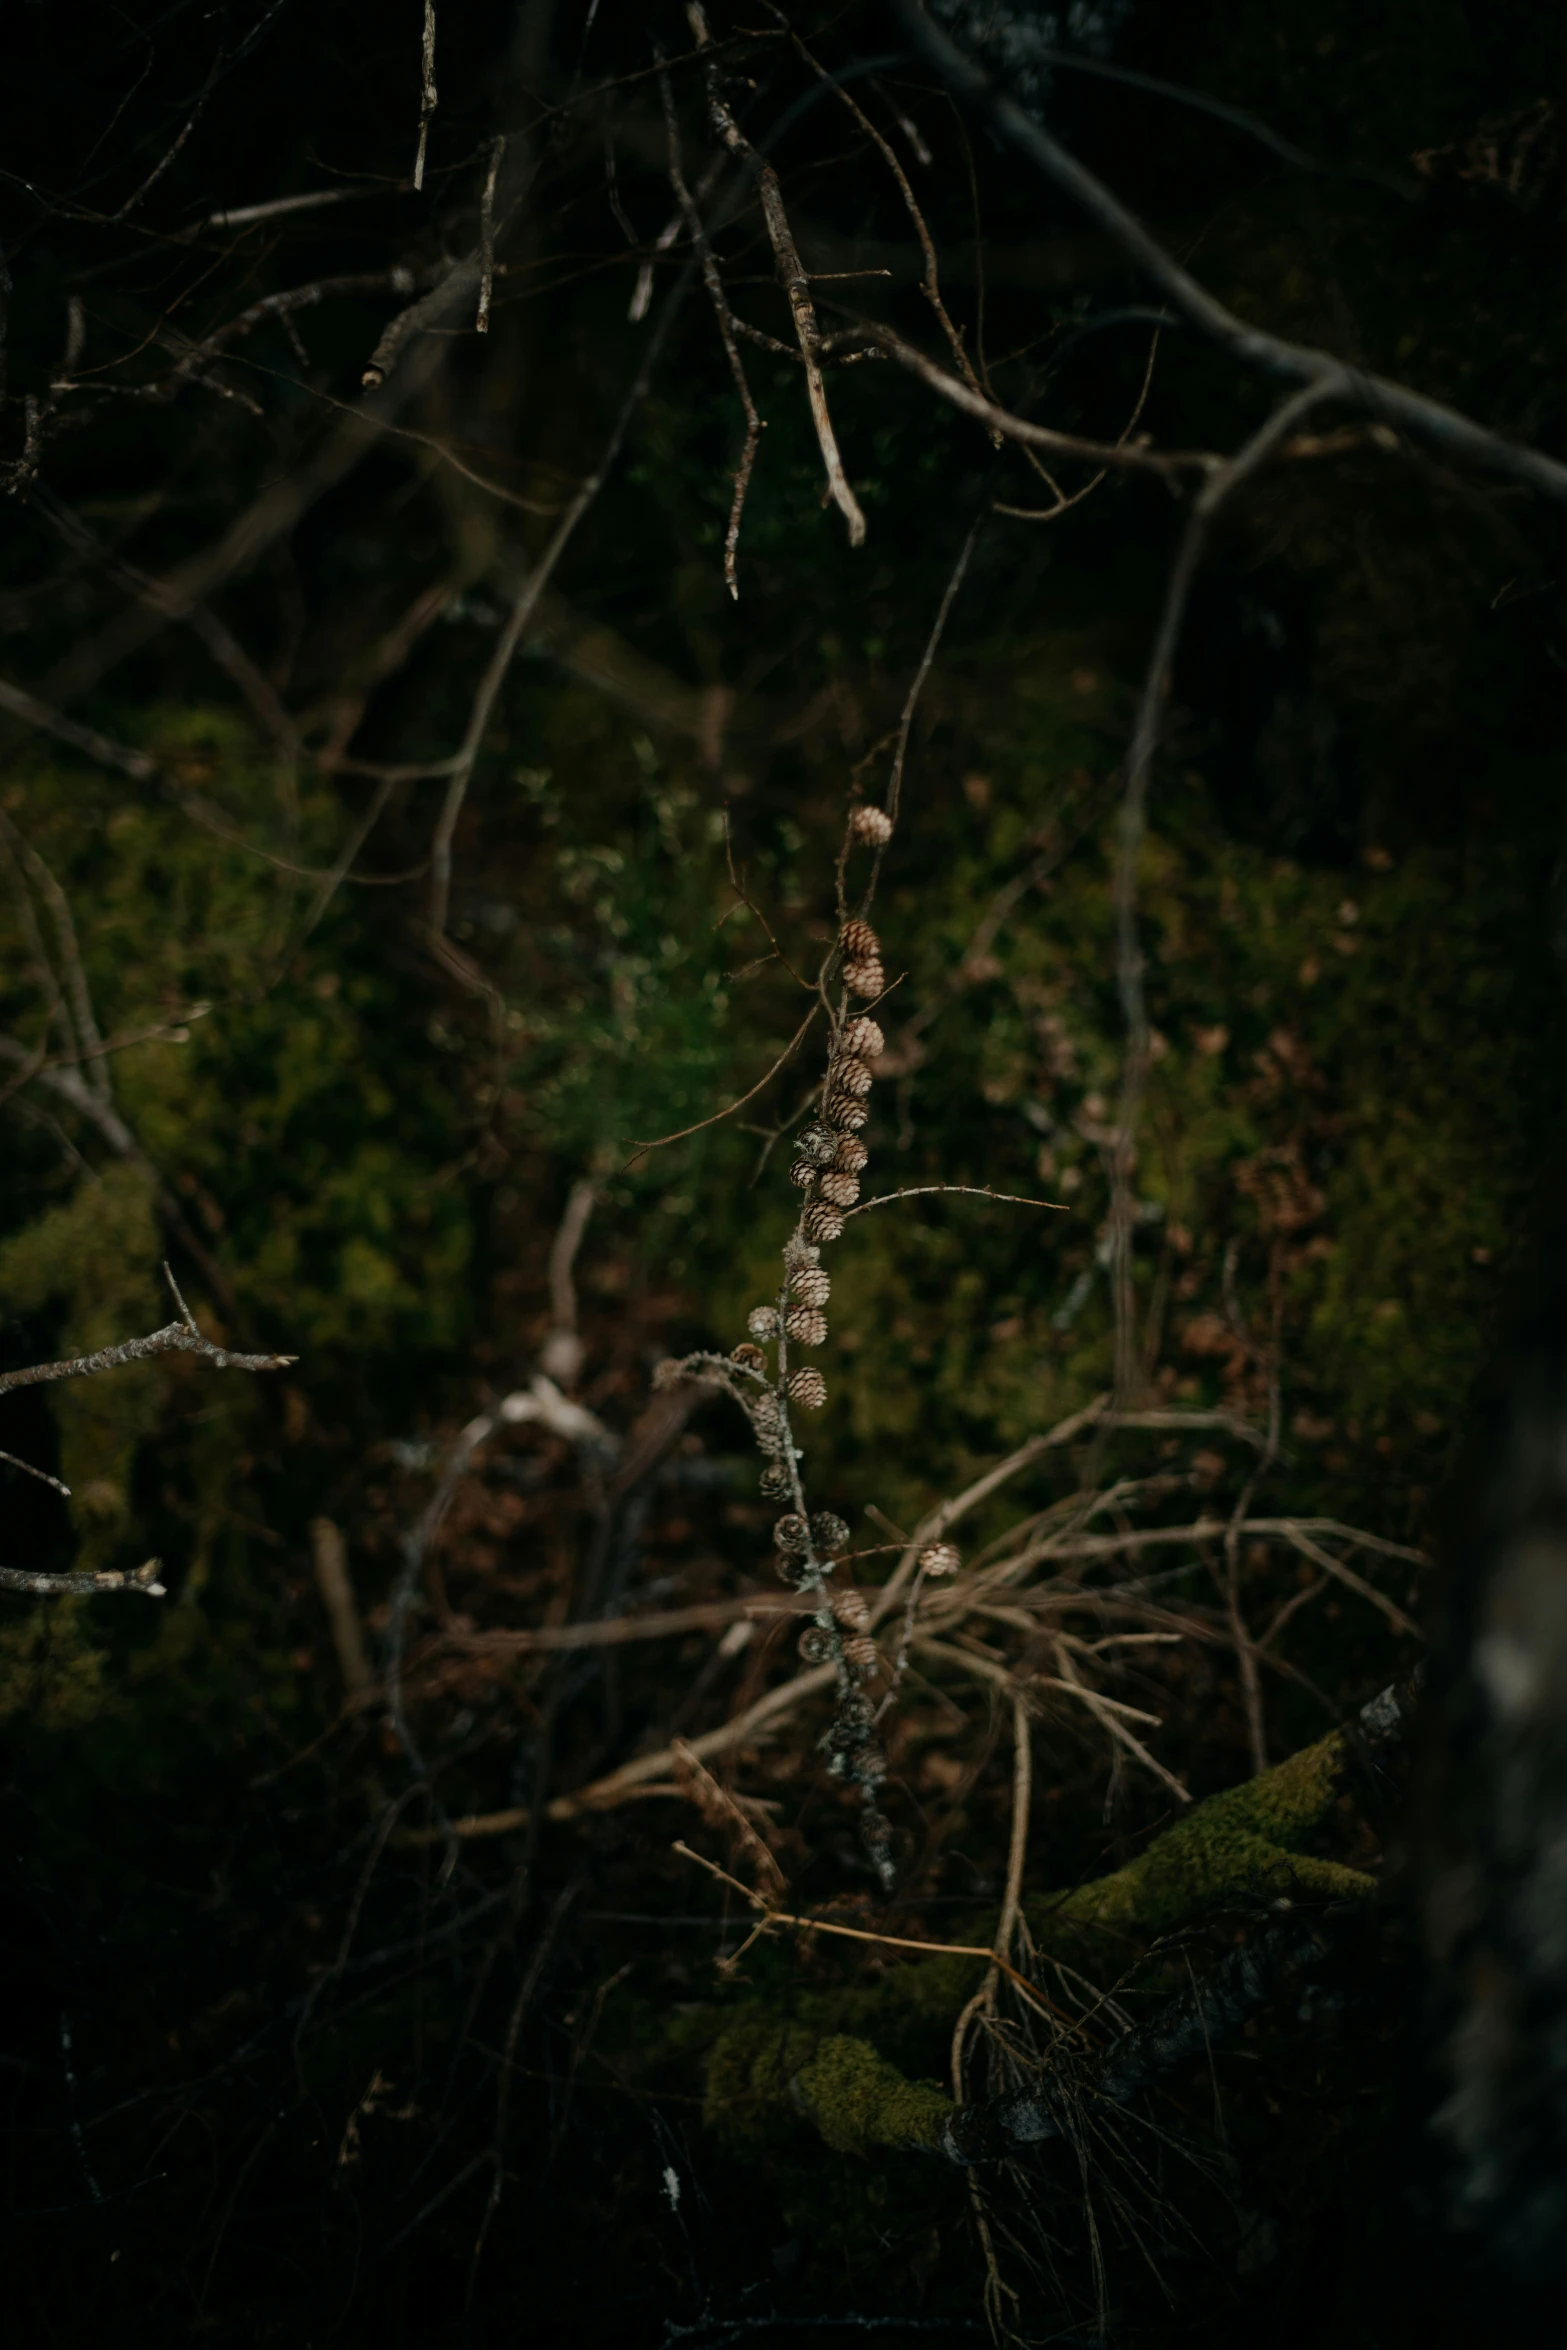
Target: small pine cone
pixel 942 1558
pixel 840 1191
pixel 811 1285
pixel 808 1389
pixel 792 1532
pixel 851 1608
pixel 828 1532
pixel 847 1112
pixel 802 1171
pixel 863 1037
pixel 762 1322
pixel 855 1712
pixel 861 1654
pixel 867 979
pixel 871 825
pixel 749 1357
pixel 851 1155
pixel 859 943
pixel 818 1143
pixel 815 1645
pixel 775 1482
pixel 806 1326
pixel 851 1076
pixel 823 1222
pixel 767 1422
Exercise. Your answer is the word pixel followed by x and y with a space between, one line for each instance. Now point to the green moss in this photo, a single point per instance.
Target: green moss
pixel 857 2099
pixel 1238 1845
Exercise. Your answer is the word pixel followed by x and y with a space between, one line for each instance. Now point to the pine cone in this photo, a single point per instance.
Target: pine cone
pixel 850 1076
pixel 941 1558
pixel 808 1389
pixel 828 1532
pixel 762 1322
pixel 867 979
pixel 863 1037
pixel 859 943
pixel 811 1285
pixel 749 1357
pixel 806 1326
pixel 871 825
pixel 815 1645
pixel 861 1654
pixel 823 1222
pixel 817 1143
pixel 847 1112
pixel 775 1482
pixel 802 1171
pixel 767 1422
pixel 840 1191
pixel 792 1532
pixel 851 1608
pixel 851 1155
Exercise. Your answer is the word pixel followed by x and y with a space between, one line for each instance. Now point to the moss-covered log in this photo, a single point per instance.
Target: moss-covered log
pixel 1242 1847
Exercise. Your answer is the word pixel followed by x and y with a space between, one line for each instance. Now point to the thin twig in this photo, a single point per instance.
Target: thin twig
pixel 783 1059
pixel 1130 964
pixel 754 424
pixel 487 236
pixel 795 279
pixel 930 284
pixel 428 96
pixel 518 619
pixel 532 1977
pixel 86 739
pixel 1125 454
pixel 173 1338
pixel 975 1191
pixel 1022 1802
pixel 810 1925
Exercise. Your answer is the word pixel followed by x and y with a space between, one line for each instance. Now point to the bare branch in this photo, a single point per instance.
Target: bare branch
pixel 784 1057
pixel 1428 421
pixel 174 1338
pixel 796 283
pixel 428 96
pixel 487 236
pixel 87 739
pixel 754 424
pixel 143 1579
pixel 975 1191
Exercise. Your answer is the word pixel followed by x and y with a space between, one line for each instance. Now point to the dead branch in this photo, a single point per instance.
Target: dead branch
pixel 181 1337
pixel 1428 421
pixel 1128 455
pixel 793 276
pixel 754 424
pixel 428 96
